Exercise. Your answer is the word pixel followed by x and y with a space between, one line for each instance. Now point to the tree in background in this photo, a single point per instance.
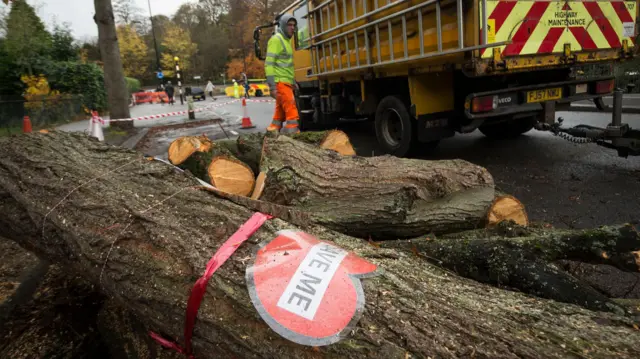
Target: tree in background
pixel 208 30
pixel 126 12
pixel 63 47
pixel 214 10
pixel 244 16
pixel 255 68
pixel 27 41
pixel 177 42
pixel 90 52
pixel 10 83
pixel 113 73
pixel 133 51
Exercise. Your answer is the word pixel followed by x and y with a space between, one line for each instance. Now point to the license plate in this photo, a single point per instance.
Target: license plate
pixel 544 95
pixel 582 88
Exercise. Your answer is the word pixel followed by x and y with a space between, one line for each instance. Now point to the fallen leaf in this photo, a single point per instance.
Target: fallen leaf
pixel 605 255
pixel 372 243
pixel 414 249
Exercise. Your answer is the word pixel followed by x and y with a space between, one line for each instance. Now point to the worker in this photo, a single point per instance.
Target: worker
pixel 236 89
pixel 280 77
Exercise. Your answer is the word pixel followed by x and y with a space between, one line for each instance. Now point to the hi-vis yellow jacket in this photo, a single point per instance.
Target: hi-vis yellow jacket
pixel 279 61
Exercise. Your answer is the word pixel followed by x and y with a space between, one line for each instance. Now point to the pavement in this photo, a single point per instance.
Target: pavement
pixel 562 183
pixel 630 103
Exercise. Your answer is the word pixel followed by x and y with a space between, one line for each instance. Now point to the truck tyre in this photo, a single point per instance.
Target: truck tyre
pixel 509 129
pixel 394 127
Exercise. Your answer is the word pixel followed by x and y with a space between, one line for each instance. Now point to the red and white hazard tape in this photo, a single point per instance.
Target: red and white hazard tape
pixel 253 100
pixel 170 114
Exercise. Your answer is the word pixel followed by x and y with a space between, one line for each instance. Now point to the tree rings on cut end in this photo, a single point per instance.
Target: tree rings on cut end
pixel 338 141
pixel 231 176
pixel 182 148
pixel 507 208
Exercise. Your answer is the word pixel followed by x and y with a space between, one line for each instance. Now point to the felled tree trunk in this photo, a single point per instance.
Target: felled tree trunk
pixel 78 202
pixel 55 320
pixel 380 197
pixel 524 258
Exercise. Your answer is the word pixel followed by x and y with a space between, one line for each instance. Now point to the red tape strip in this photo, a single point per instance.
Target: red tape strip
pixel 197 293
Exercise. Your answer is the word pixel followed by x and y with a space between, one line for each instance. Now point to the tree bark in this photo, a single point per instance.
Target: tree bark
pixel 525 260
pixel 79 201
pixel 380 197
pixel 113 72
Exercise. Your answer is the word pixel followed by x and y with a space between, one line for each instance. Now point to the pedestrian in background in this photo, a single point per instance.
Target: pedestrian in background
pixel 170 91
pixel 209 89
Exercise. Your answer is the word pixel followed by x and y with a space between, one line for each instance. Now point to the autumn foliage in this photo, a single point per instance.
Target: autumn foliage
pixel 133 51
pixel 255 68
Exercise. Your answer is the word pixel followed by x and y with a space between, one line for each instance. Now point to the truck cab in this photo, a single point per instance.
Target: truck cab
pixel 428 69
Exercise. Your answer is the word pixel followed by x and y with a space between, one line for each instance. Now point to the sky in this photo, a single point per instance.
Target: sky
pixel 79 13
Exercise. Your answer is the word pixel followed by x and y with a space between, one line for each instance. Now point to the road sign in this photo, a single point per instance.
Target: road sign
pixel 160 74
pixel 307 290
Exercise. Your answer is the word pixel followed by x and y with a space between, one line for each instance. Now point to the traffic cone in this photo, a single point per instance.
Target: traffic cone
pixel 246 120
pixel 97 127
pixel 26 125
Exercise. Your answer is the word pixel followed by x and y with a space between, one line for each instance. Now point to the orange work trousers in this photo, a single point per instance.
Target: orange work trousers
pixel 286 110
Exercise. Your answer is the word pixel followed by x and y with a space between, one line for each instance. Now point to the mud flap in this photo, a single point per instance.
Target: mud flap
pixel 549 112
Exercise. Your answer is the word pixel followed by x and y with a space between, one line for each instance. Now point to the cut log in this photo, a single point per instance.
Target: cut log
pixel 338 141
pixel 250 145
pixel 231 176
pixel 259 187
pixel 196 153
pixel 507 208
pixel 380 197
pixel 75 201
pixel 182 148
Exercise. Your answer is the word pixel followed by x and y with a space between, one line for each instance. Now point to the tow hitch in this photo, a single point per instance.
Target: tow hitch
pixel 617 135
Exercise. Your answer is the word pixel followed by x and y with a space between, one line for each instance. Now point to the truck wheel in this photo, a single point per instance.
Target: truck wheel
pixel 509 129
pixel 394 127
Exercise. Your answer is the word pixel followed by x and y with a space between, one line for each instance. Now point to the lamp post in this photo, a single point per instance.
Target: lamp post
pixel 178 76
pixel 224 80
pixel 155 42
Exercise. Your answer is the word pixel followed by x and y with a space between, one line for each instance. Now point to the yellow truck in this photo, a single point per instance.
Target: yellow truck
pixel 426 69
